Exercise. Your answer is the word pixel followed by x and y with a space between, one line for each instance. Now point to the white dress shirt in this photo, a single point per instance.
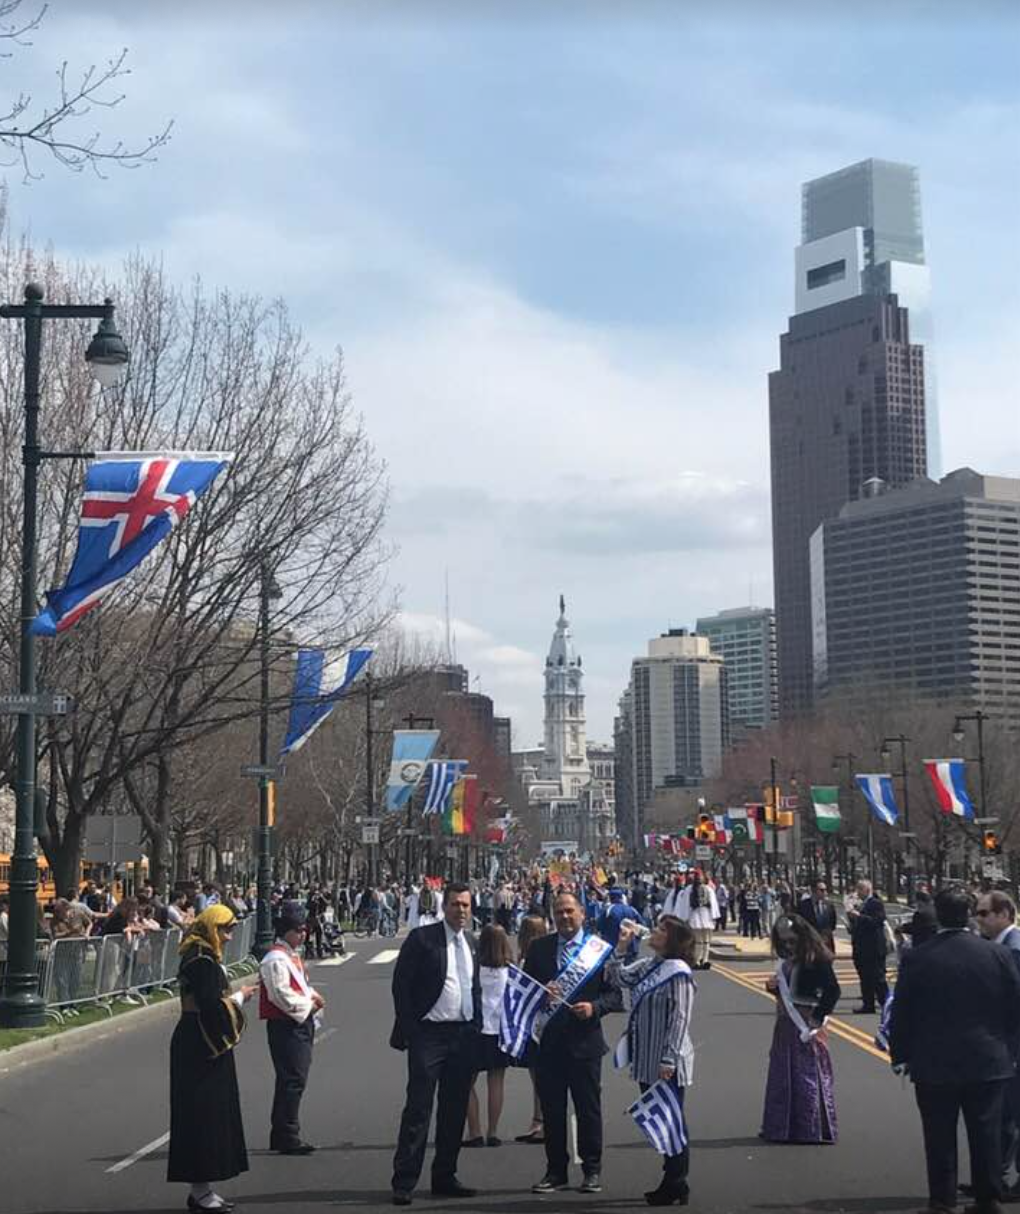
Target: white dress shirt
pixel 276 969
pixel 455 1002
pixel 493 980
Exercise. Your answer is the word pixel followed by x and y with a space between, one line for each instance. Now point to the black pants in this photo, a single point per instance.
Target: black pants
pixel 1010 1125
pixel 290 1047
pixel 940 1105
pixel 558 1073
pixel 315 937
pixel 675 1167
pixel 752 924
pixel 874 987
pixel 443 1056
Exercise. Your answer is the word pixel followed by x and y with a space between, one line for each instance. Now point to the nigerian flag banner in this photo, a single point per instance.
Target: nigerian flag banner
pixel 826 803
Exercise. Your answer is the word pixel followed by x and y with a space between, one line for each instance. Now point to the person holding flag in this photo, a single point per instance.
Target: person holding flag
pixel 656 1044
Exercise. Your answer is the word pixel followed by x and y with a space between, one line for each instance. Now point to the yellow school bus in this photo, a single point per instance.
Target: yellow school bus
pixel 46 890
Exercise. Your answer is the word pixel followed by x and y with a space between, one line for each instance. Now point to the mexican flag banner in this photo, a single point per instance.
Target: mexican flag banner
pixel 826 803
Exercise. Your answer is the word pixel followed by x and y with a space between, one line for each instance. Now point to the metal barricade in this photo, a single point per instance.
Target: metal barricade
pixel 73 974
pixel 114 967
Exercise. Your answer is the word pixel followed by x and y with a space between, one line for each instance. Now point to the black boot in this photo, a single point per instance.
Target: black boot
pixel 668 1192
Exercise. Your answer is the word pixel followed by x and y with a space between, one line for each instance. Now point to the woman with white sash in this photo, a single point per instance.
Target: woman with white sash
pixel 800 1098
pixel 657 1043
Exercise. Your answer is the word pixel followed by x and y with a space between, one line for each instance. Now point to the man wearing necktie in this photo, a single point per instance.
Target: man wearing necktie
pixel 820 913
pixel 437 1001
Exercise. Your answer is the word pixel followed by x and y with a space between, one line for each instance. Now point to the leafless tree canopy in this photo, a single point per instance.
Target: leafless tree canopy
pixel 60 122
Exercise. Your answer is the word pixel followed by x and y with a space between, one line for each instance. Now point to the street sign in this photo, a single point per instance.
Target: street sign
pixel 258 772
pixel 370 834
pixel 703 851
pixel 42 704
pixel 408 832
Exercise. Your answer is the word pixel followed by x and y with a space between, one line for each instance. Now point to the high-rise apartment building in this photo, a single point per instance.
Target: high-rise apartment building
pixel 678 716
pixel 846 405
pixel 919 588
pixel 745 637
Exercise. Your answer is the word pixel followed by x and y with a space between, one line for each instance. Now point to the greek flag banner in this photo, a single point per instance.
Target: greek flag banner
pixel 583 963
pixel 443 775
pixel 412 749
pixel 320 680
pixel 878 792
pixel 659 1115
pixel 522 997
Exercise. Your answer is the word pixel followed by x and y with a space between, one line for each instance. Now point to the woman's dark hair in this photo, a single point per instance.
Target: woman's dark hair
pixel 532 926
pixel 808 947
pixel 679 939
pixel 121 914
pixel 494 947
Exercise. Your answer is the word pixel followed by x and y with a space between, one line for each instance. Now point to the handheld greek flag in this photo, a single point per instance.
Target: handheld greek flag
pixel 131 501
pixel 522 998
pixel 947 776
pixel 878 792
pixel 319 682
pixel 659 1115
pixel 442 776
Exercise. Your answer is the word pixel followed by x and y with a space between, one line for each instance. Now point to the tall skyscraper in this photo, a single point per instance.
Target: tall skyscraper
pixel 745 637
pixel 919 588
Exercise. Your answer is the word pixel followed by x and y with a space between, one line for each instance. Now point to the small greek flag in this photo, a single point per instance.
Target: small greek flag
pixel 442 775
pixel 659 1115
pixel 522 997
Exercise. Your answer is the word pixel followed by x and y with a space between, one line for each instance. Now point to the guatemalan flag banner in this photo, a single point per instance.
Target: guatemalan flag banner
pixel 878 792
pixel 659 1115
pixel 132 500
pixel 412 749
pixel 319 681
pixel 947 775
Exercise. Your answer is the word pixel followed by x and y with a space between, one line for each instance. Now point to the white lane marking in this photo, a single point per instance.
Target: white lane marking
pixel 573 1138
pixel 335 960
pixel 385 957
pixel 141 1153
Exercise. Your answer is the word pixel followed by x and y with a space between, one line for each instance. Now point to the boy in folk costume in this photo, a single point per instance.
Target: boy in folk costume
pixel 290 1007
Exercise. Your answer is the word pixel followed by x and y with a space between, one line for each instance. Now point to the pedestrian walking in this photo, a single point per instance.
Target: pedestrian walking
pixel 953 1030
pixel 867 938
pixel 698 908
pixel 656 1044
pixel 290 1006
pixel 751 908
pixel 571 1046
pixel 437 1003
pixel 206 1130
pixel 722 898
pixel 820 913
pixel 494 955
pixel 800 1097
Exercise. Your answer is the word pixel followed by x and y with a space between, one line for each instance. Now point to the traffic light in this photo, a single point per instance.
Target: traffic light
pixel 705 829
pixel 991 844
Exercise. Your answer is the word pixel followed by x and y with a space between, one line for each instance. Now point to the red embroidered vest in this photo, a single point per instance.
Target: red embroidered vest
pixel 267 1008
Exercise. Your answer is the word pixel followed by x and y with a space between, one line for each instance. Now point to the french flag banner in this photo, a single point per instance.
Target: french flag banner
pixel 948 778
pixel 131 502
pixel 878 792
pixel 319 682
pixel 659 1115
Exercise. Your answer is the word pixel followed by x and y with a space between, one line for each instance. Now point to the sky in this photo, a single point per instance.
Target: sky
pixel 555 242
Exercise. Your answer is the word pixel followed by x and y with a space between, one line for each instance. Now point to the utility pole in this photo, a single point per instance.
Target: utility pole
pixel 850 759
pixel 901 741
pixel 773 779
pixel 268 591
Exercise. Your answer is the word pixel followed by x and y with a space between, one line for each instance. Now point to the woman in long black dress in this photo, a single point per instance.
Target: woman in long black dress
pixel 206 1131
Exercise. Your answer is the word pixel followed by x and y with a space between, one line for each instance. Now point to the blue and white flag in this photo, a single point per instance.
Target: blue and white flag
pixel 659 1115
pixel 443 774
pixel 878 792
pixel 132 500
pixel 412 749
pixel 320 680
pixel 522 998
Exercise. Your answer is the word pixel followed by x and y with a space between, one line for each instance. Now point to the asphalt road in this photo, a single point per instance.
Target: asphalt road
pixel 83 1130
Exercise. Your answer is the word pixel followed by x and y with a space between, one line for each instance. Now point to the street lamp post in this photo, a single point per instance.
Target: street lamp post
pixel 412 722
pixel 850 759
pixel 959 735
pixel 773 781
pixel 268 591
pixel 901 741
pixel 21 1005
pixel 370 703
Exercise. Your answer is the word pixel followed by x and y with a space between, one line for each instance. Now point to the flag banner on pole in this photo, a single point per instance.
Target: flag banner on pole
pixel 723 832
pixel 659 1115
pixel 949 779
pixel 745 823
pixel 320 680
pixel 412 749
pixel 878 792
pixel 650 840
pixel 131 501
pixel 497 830
pixel 825 799
pixel 458 818
pixel 522 998
pixel 443 774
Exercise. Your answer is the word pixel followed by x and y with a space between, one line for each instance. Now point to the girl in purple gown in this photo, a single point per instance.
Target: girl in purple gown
pixel 800 1098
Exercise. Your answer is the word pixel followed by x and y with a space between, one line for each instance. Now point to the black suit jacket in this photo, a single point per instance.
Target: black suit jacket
pixel 418 979
pixel 565 1032
pixel 826 925
pixel 867 932
pixel 956 1011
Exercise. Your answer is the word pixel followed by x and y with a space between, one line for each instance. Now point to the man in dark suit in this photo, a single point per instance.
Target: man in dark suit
pixel 820 913
pixel 437 1000
pixel 570 1052
pixel 867 938
pixel 953 1027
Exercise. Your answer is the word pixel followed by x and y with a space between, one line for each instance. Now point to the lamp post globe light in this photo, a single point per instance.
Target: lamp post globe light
pixel 21 1005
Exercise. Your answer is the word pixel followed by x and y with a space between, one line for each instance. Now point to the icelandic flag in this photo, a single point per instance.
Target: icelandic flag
pixel 947 775
pixel 412 749
pixel 443 775
pixel 879 794
pixel 659 1115
pixel 131 501
pixel 319 682
pixel 522 998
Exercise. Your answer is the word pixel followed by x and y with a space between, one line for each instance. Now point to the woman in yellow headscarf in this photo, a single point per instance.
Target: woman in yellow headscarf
pixel 206 1130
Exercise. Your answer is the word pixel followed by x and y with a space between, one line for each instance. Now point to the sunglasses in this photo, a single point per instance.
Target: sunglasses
pixel 983 914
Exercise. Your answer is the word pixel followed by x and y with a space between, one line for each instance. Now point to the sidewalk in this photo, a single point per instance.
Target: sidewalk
pixel 727 946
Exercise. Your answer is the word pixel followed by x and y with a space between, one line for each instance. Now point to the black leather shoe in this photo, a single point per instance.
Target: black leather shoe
pixel 592 1183
pixel 551 1184
pixel 296 1148
pixel 452 1188
pixel 401 1197
pixel 864 1011
pixel 197 1205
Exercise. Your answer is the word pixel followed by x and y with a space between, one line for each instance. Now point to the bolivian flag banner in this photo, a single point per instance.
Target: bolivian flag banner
pixel 459 819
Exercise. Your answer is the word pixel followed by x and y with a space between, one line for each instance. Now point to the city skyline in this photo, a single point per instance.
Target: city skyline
pixel 577 279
